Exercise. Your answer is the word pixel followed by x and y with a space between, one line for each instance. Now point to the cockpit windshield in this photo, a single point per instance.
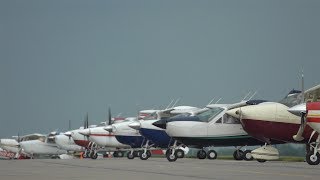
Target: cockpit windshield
pixel 209 114
pixel 151 116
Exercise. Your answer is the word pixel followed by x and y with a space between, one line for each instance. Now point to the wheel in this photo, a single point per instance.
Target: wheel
pixel 120 154
pixel 238 155
pixel 179 153
pixel 84 155
pixel 94 156
pixel 261 160
pixel 115 154
pixel 313 159
pixel 212 154
pixel 171 157
pixel 247 155
pixel 130 155
pixel 137 153
pixel 168 151
pixel 145 156
pixel 201 154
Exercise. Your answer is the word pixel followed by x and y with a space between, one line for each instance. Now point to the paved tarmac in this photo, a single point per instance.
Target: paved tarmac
pixel 154 169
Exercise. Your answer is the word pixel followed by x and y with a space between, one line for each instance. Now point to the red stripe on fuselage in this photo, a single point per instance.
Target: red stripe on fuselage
pixel 313 106
pixel 314 120
pixel 83 143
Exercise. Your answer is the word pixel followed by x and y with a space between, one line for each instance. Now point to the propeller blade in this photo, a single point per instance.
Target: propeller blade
pixel 109 116
pixel 298 136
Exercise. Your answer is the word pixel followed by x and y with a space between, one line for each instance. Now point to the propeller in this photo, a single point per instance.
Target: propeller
pixel 298 136
pixel 86 129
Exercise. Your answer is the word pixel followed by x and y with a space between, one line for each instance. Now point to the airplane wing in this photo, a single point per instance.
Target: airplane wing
pixel 312 94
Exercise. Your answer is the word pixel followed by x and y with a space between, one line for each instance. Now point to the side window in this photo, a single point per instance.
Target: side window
pixel 219 120
pixel 227 119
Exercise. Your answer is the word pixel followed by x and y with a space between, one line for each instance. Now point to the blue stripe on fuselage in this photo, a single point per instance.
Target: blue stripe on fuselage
pixel 133 141
pixel 159 137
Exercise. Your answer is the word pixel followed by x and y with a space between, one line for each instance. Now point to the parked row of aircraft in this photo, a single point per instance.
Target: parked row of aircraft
pixel 295 119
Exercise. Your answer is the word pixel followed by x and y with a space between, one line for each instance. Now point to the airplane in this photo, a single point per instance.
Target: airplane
pixel 67 143
pixel 158 136
pixel 131 137
pixel 44 146
pixel 272 122
pixel 210 126
pixel 100 138
pixel 13 146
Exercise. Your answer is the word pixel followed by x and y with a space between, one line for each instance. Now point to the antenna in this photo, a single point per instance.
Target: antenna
pixel 170 104
pixel 175 102
pixel 246 96
pixel 302 87
pixel 218 100
pixel 211 101
pixel 253 95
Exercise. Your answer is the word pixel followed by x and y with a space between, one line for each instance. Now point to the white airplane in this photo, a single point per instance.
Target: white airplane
pixel 210 126
pixel 67 143
pixel 42 147
pixel 13 146
pixel 131 137
pixel 102 139
pixel 157 137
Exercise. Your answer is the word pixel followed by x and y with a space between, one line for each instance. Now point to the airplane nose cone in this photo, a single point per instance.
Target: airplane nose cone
pixel 298 109
pixel 84 132
pixel 109 128
pixel 135 125
pixel 161 124
pixel 234 112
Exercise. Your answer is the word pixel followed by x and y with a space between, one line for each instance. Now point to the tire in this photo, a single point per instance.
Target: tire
pixel 168 151
pixel 171 157
pixel 201 154
pixel 84 155
pixel 137 153
pixel 212 154
pixel 247 155
pixel 94 156
pixel 115 154
pixel 145 156
pixel 238 155
pixel 120 154
pixel 130 155
pixel 261 160
pixel 179 153
pixel 313 159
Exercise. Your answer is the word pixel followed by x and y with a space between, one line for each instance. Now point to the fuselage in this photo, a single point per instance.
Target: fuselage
pixel 270 122
pixel 10 145
pixel 67 143
pixel 103 138
pixel 210 127
pixel 156 135
pixel 37 147
pixel 126 135
pixel 313 115
pixel 79 139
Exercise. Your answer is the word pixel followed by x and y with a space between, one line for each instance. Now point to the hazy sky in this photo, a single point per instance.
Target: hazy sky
pixel 60 59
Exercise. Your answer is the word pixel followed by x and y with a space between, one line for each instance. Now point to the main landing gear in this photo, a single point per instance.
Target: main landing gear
pixel 173 153
pixel 237 155
pixel 134 153
pixel 91 151
pixel 313 156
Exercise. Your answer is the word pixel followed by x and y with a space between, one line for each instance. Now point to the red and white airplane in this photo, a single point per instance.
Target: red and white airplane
pixel 272 123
